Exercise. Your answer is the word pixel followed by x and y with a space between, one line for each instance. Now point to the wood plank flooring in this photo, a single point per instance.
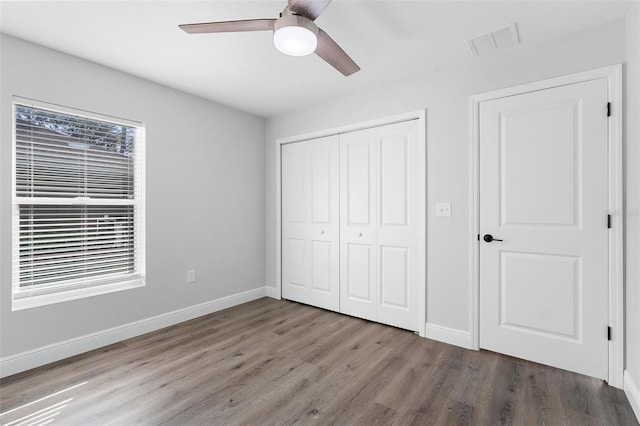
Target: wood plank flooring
pixel 276 362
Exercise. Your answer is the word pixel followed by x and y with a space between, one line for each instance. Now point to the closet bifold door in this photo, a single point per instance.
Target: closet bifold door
pixel 310 222
pixel 398 228
pixel 379 224
pixel 358 277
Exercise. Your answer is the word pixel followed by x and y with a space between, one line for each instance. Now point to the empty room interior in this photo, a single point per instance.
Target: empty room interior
pixel 320 212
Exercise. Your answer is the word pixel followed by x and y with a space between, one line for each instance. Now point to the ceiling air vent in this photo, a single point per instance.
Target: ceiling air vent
pixel 499 39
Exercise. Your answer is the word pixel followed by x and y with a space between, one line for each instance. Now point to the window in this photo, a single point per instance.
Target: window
pixel 78 204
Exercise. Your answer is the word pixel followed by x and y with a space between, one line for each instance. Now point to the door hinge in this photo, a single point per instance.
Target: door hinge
pixel 608 109
pixel 478 237
pixel 609 333
pixel 609 221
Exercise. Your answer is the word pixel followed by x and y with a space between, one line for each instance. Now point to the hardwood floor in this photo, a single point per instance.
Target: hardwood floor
pixel 277 362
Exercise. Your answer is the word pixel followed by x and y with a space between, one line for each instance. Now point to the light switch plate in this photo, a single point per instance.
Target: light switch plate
pixel 443 209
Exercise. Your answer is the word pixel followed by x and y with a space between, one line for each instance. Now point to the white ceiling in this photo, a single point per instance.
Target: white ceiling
pixel 390 40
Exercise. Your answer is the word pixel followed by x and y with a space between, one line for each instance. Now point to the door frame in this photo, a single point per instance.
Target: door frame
pixel 419 115
pixel 613 74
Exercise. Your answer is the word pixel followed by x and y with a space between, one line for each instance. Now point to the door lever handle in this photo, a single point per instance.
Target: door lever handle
pixel 488 238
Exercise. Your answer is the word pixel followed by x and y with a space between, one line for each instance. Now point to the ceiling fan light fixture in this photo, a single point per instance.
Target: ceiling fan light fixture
pixel 295 35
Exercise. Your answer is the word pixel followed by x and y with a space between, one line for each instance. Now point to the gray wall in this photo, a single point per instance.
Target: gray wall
pixel 205 194
pixel 633 193
pixel 445 94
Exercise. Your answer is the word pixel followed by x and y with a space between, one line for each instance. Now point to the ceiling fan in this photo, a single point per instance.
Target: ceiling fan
pixel 294 33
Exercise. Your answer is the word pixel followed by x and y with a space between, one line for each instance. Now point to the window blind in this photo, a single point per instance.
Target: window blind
pixel 78 209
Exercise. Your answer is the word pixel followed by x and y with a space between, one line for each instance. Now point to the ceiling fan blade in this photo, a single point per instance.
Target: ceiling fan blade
pixel 310 9
pixel 334 55
pixel 229 26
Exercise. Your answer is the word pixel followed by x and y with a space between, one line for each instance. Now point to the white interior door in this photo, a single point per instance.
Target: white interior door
pixel 543 192
pixel 310 222
pixel 358 217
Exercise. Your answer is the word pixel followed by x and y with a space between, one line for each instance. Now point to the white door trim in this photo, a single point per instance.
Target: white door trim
pixel 613 74
pixel 419 115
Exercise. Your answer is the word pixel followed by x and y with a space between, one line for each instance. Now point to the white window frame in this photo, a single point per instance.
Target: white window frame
pixel 28 298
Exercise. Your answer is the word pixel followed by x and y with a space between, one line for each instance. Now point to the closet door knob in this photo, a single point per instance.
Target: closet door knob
pixel 360 234
pixel 321 232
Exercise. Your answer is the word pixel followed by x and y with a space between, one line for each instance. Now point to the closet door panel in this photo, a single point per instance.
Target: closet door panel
pixel 359 284
pixel 394 180
pixel 358 256
pixel 397 231
pixel 321 273
pixel 359 174
pixel 295 222
pixel 321 180
pixel 295 248
pixel 324 271
pixel 310 222
pixel 394 279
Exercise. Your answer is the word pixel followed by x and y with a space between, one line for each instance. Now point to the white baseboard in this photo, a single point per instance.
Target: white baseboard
pixel 632 391
pixel 37 357
pixel 273 292
pixel 449 335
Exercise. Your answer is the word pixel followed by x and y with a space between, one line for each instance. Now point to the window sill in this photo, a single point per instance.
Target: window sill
pixel 26 302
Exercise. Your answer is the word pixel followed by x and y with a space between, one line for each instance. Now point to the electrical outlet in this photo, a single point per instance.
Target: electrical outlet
pixel 443 209
pixel 191 276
